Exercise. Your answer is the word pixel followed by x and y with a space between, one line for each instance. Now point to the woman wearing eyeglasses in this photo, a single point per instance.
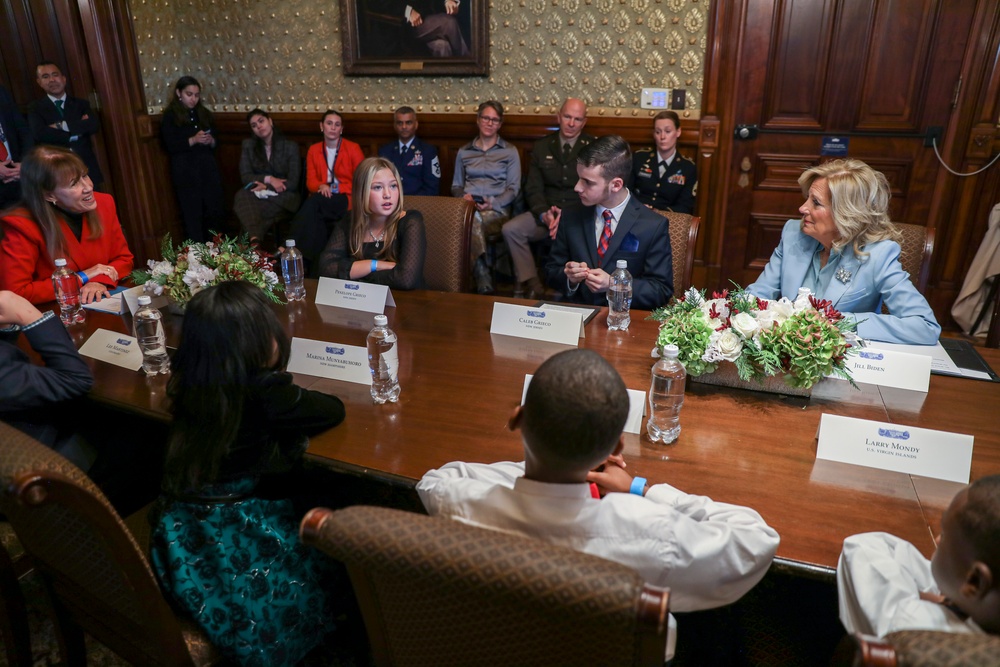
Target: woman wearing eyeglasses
pixel 487 173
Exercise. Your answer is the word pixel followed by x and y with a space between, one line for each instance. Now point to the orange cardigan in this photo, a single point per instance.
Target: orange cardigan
pixel 348 159
pixel 26 268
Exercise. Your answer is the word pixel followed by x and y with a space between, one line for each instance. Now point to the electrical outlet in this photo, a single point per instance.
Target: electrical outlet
pixel 934 134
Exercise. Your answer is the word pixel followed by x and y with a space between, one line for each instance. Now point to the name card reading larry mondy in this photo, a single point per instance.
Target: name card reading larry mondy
pixel 555 326
pixel 330 360
pixel 115 348
pixel 354 295
pixel 915 451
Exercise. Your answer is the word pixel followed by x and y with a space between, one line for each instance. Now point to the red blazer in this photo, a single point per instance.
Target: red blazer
pixel 348 159
pixel 26 268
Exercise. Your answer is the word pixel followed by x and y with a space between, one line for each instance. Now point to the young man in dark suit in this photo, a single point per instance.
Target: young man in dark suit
pixel 15 142
pixel 60 120
pixel 610 224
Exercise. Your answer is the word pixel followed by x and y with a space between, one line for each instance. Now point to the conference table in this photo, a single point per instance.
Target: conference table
pixel 460 384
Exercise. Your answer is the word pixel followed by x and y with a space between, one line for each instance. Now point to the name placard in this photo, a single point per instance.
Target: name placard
pixel 636 406
pixel 554 326
pixel 330 360
pixel 890 368
pixel 114 348
pixel 915 451
pixel 354 294
pixel 112 303
pixel 131 299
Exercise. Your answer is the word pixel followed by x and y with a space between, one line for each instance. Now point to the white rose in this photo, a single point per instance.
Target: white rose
pixel 802 300
pixel 727 345
pixel 745 323
pixel 766 319
pixel 782 309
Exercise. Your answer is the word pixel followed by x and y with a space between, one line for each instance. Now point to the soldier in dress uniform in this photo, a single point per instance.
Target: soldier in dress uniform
pixel 662 178
pixel 415 160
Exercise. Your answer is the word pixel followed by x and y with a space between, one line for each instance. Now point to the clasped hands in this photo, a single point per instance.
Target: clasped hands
pixel 202 137
pixel 596 280
pixel 10 171
pixel 275 183
pixel 551 220
pixel 610 476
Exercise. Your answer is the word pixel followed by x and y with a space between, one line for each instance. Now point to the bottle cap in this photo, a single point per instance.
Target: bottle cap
pixel 290 243
pixel 621 264
pixel 144 300
pixel 671 351
pixel 60 262
pixel 381 320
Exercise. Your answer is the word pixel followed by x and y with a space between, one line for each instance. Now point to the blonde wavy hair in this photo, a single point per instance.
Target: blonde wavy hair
pixel 361 211
pixel 859 202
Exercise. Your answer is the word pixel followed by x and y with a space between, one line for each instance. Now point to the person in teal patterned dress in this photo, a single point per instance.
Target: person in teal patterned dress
pixel 223 547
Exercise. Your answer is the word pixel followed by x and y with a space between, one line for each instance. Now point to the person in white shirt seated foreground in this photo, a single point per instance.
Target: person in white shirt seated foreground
pixel 885 584
pixel 709 554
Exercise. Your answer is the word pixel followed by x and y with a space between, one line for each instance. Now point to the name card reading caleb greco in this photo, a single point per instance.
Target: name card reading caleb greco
pixel 354 295
pixel 554 326
pixel 915 451
pixel 114 348
pixel 330 360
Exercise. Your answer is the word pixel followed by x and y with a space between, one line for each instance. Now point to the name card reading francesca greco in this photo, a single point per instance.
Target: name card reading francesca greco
pixel 915 451
pixel 890 368
pixel 554 326
pixel 114 348
pixel 354 295
pixel 636 406
pixel 330 360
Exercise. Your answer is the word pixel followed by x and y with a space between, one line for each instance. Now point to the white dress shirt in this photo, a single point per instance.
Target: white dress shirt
pixel 709 554
pixel 599 218
pixel 879 581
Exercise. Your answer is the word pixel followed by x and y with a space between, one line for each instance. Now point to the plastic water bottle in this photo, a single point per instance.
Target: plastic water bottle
pixel 147 324
pixel 620 297
pixel 293 271
pixel 67 287
pixel 666 397
pixel 383 360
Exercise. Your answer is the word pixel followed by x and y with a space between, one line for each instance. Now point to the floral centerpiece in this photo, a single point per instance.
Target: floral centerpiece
pixel 801 340
pixel 190 267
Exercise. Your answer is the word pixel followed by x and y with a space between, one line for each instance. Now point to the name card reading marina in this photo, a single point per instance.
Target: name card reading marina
pixel 114 348
pixel 554 326
pixel 915 451
pixel 890 368
pixel 354 295
pixel 330 360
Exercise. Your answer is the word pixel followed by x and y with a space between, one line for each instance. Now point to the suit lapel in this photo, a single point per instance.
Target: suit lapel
pixel 848 265
pixel 587 230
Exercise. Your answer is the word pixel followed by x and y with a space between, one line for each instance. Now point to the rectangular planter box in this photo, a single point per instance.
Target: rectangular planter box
pixel 726 375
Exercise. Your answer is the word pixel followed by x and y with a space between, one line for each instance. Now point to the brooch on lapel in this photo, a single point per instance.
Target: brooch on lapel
pixel 843 275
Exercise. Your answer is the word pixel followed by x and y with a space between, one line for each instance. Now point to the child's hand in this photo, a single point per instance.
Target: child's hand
pixel 610 478
pixel 933 597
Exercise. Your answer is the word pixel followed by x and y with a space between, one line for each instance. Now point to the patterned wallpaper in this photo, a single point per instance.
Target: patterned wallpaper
pixel 286 56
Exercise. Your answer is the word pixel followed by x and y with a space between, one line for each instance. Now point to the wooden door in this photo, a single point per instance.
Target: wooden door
pixel 876 74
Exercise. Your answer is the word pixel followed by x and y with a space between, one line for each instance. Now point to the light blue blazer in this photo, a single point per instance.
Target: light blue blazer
pixel 874 279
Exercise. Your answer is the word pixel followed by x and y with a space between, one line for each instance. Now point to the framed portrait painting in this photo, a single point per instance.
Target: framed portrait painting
pixel 415 37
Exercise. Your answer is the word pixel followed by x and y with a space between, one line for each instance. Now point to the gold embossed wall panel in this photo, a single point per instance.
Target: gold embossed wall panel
pixel 286 56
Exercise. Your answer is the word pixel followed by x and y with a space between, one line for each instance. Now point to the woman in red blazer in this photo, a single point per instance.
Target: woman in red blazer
pixel 60 215
pixel 330 166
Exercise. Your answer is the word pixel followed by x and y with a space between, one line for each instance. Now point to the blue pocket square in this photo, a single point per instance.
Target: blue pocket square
pixel 630 243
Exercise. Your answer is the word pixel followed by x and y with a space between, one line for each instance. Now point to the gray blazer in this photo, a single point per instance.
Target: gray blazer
pixel 285 162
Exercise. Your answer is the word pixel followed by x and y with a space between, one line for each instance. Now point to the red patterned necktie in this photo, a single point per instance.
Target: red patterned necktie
pixel 602 245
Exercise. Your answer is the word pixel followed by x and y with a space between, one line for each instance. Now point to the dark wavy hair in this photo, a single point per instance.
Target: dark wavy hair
pixel 230 337
pixel 180 111
pixel 259 150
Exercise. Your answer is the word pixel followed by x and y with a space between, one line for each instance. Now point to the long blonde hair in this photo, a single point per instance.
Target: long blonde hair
pixel 44 169
pixel 361 211
pixel 859 202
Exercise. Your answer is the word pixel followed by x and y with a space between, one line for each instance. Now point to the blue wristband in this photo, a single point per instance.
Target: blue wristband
pixel 638 486
pixel 83 278
pixel 374 265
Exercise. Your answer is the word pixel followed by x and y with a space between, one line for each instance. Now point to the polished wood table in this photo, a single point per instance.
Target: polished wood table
pixel 460 385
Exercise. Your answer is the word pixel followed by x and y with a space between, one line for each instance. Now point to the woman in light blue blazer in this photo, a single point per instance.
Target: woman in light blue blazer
pixel 845 250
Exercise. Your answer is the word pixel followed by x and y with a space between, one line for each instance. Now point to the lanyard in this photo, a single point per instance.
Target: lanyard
pixel 331 178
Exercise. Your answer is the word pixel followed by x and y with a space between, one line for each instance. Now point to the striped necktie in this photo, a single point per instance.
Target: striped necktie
pixel 602 245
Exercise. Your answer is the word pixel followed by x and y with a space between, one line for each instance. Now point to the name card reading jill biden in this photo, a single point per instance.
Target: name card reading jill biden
pixel 915 451
pixel 890 368
pixel 330 360
pixel 354 295
pixel 554 326
pixel 114 348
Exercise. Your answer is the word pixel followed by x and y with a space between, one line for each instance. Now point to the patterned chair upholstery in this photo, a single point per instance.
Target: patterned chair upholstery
pixel 438 592
pixel 683 230
pixel 448 221
pixel 915 250
pixel 927 648
pixel 97 575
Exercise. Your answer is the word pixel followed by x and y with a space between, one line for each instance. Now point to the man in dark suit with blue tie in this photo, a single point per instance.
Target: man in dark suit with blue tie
pixel 610 224
pixel 60 120
pixel 15 142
